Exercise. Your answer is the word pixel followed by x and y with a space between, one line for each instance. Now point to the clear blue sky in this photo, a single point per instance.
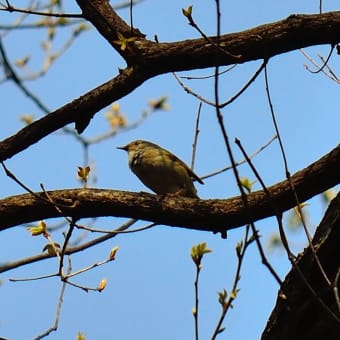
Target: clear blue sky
pixel 150 286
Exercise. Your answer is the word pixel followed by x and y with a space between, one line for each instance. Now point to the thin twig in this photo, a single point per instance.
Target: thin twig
pixel 25 187
pixel 248 83
pixel 241 249
pixel 131 16
pixel 148 226
pixel 57 316
pixel 330 74
pixel 210 75
pixel 10 8
pixel 230 100
pixel 10 73
pixel 33 278
pixel 288 176
pixel 284 240
pixel 188 90
pixel 255 153
pixel 62 253
pixel 208 39
pixel 197 131
pixel 196 292
pixel 40 25
pixel 325 62
pixel 69 251
pixel 85 269
pixel 336 290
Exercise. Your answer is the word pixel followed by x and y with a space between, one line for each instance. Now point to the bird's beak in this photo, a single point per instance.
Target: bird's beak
pixel 125 148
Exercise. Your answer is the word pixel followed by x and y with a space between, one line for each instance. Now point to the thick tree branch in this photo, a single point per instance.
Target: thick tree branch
pixel 108 22
pixel 299 315
pixel 262 42
pixel 209 215
pixel 151 59
pixel 75 111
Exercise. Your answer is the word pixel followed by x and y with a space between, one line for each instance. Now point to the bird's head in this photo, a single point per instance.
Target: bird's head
pixel 136 145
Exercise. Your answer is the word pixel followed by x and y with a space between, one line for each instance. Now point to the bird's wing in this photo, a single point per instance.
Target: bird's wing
pixel 194 176
pixel 190 172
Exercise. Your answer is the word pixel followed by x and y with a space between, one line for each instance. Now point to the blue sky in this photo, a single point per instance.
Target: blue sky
pixel 150 285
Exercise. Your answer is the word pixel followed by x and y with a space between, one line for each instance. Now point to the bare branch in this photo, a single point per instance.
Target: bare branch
pixel 151 59
pixel 216 215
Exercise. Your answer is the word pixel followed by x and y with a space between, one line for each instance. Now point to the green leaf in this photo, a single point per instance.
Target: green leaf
pixel 198 251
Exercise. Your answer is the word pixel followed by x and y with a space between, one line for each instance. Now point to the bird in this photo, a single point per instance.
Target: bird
pixel 160 170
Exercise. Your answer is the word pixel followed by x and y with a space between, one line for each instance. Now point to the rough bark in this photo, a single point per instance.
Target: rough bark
pixel 147 59
pixel 298 314
pixel 216 215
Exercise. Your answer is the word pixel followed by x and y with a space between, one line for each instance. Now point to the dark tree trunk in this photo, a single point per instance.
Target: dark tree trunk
pixel 299 313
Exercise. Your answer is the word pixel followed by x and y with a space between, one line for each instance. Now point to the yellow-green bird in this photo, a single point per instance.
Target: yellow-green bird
pixel 160 170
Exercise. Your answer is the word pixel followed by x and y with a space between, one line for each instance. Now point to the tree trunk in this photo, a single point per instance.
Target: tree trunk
pixel 299 313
